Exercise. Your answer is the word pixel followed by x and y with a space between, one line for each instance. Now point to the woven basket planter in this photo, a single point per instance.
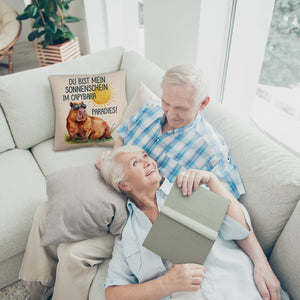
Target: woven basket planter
pixel 57 53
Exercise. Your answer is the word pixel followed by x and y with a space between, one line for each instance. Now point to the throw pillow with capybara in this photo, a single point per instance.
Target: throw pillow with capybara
pixel 88 108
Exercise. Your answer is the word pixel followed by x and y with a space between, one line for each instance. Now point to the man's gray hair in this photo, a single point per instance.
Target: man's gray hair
pixel 188 74
pixel 111 170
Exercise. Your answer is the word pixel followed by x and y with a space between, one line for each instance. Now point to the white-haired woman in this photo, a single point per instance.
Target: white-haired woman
pixel 137 273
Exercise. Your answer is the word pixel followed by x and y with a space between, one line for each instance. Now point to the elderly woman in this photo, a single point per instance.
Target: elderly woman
pixel 137 273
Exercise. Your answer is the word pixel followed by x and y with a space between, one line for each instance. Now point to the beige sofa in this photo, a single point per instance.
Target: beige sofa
pixel 270 174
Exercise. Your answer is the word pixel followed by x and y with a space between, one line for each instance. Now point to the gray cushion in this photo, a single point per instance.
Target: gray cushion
pixel 33 120
pixel 81 206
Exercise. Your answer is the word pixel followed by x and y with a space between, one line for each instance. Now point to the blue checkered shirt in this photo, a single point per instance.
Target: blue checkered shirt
pixel 195 146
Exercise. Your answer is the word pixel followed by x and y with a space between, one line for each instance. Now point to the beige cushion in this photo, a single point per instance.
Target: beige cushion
pixel 82 206
pixel 271 175
pixel 9 26
pixel 30 92
pixel 23 187
pixel 93 106
pixel 6 141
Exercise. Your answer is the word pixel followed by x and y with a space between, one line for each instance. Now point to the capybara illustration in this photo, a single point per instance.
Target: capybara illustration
pixel 83 126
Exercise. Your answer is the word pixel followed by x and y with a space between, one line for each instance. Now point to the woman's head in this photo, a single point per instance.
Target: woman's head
pixel 129 169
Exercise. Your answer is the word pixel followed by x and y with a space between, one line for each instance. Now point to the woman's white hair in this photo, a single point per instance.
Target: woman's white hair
pixel 188 74
pixel 112 170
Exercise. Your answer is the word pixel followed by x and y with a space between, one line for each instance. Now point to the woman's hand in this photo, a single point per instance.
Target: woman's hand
pixel 266 282
pixel 101 159
pixel 189 180
pixel 183 277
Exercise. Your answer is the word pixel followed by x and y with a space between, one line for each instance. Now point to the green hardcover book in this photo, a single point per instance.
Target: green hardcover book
pixel 187 227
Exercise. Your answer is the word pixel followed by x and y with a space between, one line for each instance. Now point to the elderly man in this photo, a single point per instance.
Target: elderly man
pixel 176 135
pixel 141 274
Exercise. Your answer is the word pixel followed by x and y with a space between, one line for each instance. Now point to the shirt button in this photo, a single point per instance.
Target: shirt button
pixel 157 140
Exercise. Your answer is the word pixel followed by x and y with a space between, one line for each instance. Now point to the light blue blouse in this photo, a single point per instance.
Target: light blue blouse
pixel 229 271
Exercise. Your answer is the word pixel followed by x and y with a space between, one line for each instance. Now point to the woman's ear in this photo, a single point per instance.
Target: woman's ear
pixel 124 187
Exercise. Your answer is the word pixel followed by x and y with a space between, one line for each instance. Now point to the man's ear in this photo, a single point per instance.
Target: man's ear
pixel 124 187
pixel 204 103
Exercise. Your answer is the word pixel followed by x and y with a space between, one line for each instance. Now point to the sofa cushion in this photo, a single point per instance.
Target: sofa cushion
pixel 51 161
pixel 270 174
pixel 82 206
pixel 6 141
pixel 23 187
pixel 285 255
pixel 93 106
pixel 33 120
pixel 140 69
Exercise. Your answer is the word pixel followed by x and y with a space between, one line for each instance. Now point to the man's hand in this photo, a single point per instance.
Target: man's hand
pixel 101 159
pixel 266 282
pixel 183 277
pixel 189 180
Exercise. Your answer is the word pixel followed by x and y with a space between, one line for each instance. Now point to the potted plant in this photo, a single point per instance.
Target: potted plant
pixel 49 25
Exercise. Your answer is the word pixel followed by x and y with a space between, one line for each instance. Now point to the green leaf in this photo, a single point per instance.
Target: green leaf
pixel 38 23
pixel 60 5
pixel 41 33
pixel 70 35
pixel 51 27
pixel 56 17
pixel 23 16
pixel 71 19
pixel 42 4
pixel 64 28
pixel 50 6
pixel 33 35
pixel 32 11
pixel 45 44
pixel 49 37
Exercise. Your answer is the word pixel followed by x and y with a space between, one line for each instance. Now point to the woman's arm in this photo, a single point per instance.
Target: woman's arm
pixel 264 277
pixel 184 277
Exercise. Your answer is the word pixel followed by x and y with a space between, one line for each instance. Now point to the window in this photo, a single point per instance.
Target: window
pixel 276 108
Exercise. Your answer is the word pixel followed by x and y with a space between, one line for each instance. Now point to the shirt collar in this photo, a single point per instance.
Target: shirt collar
pixel 183 129
pixel 161 195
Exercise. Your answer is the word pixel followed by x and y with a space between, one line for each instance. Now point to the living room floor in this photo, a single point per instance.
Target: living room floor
pixel 23 58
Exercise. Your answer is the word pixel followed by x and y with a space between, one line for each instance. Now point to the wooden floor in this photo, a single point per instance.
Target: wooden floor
pixel 23 58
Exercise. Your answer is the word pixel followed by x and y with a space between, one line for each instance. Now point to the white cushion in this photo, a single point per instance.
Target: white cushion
pixel 140 69
pixel 33 120
pixel 23 187
pixel 51 161
pixel 6 141
pixel 270 174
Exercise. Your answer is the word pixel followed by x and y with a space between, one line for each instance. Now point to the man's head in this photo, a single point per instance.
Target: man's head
pixel 185 93
pixel 129 169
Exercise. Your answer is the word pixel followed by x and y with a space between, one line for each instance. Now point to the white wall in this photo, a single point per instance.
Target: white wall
pixel 171 31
